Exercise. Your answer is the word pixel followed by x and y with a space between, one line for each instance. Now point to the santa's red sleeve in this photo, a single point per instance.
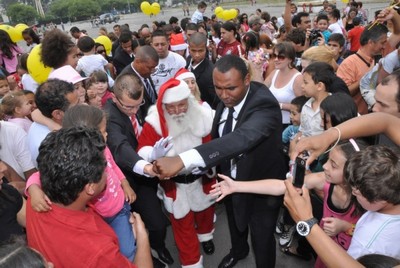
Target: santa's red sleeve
pixel 148 137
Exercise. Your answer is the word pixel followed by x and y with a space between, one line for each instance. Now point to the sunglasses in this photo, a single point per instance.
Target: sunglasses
pixel 100 51
pixel 279 56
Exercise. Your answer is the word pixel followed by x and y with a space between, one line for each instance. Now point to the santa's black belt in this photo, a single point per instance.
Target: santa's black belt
pixel 185 178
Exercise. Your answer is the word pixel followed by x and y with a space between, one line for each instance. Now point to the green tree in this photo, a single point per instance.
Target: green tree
pixel 20 13
pixel 79 8
pixel 59 8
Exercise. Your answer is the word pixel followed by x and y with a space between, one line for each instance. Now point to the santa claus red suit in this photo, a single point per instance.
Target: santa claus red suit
pixel 176 124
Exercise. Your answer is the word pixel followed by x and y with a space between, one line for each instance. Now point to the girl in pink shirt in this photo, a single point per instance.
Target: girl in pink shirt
pixel 114 203
pixel 9 52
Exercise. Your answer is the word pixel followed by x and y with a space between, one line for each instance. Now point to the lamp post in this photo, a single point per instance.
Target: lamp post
pixel 129 7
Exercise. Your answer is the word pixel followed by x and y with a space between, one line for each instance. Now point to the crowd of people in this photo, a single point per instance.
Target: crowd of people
pixel 118 142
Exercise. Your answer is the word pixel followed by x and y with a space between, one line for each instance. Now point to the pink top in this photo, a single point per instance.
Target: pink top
pixel 342 239
pixel 11 64
pixel 111 201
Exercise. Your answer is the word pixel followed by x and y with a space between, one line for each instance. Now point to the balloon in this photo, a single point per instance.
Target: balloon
pixel 20 28
pixel 345 1
pixel 232 14
pixel 218 10
pixel 106 42
pixel 36 68
pixel 155 8
pixel 12 32
pixel 145 7
pixel 225 15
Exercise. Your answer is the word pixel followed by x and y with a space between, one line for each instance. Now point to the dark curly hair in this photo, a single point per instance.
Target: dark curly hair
pixel 55 48
pixel 6 44
pixel 68 160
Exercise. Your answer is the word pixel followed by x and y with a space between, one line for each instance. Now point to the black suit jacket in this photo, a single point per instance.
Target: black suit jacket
pixel 204 80
pixel 122 143
pixel 255 145
pixel 121 59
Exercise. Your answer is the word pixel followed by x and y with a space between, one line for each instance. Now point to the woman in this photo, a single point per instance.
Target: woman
pixel 229 43
pixel 285 81
pixel 348 19
pixel 110 69
pixel 243 21
pixel 215 32
pixel 9 52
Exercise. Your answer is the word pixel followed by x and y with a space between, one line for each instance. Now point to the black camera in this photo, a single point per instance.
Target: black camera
pixel 298 172
pixel 314 34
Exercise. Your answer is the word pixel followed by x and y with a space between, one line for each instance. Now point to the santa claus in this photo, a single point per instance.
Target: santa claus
pixel 177 123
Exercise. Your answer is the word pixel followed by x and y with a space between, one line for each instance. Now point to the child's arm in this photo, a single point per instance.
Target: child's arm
pixel 39 200
pixel 130 194
pixel 38 117
pixel 228 186
pixel 333 226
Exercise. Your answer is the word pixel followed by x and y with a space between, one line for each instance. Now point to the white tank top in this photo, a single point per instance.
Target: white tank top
pixel 284 94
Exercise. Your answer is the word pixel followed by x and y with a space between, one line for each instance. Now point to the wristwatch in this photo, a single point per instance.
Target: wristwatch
pixel 304 227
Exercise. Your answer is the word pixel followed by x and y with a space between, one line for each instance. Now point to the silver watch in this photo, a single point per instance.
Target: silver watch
pixel 304 227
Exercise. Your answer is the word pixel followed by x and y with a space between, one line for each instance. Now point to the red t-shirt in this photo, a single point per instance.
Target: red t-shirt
pixel 354 37
pixel 234 48
pixel 70 238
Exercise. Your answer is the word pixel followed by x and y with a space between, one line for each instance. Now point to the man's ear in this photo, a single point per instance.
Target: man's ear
pixel 57 114
pixel 89 189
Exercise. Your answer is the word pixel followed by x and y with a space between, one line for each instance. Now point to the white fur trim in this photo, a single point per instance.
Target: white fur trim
pixel 179 47
pixel 189 197
pixel 185 75
pixel 178 93
pixel 198 264
pixel 206 237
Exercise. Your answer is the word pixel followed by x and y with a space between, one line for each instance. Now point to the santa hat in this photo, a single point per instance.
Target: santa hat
pixel 177 42
pixel 171 91
pixel 183 73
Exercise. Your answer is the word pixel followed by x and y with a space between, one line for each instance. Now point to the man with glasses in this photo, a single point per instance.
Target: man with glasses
pixel 123 128
pixel 143 66
pixel 180 118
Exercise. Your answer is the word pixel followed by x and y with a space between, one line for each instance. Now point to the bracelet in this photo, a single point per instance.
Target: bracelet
pixel 350 231
pixel 281 105
pixel 337 141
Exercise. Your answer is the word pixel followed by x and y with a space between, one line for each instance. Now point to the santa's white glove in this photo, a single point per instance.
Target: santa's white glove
pixel 198 171
pixel 161 148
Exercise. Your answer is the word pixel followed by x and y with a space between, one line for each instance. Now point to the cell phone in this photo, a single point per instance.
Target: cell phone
pixel 298 172
pixel 210 37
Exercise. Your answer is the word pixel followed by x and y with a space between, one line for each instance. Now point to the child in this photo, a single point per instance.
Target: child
pixel 334 26
pixel 92 98
pixel 113 204
pixel 90 61
pixel 295 111
pixel 374 176
pixel 99 80
pixel 322 24
pixel 336 109
pixel 4 86
pixel 340 211
pixel 15 107
pixel 336 43
pixel 31 38
pixel 27 82
pixel 317 78
pixel 198 14
pixel 31 98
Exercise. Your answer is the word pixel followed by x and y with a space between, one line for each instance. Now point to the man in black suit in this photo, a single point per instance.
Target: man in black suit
pixel 251 151
pixel 202 67
pixel 123 128
pixel 143 66
pixel 124 52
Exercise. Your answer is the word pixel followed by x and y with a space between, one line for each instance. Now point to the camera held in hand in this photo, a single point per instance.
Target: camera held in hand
pixel 314 34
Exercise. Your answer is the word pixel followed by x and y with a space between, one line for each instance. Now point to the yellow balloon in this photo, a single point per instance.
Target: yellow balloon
pixel 345 1
pixel 20 28
pixel 145 7
pixel 155 8
pixel 225 15
pixel 106 42
pixel 218 10
pixel 232 14
pixel 12 32
pixel 36 68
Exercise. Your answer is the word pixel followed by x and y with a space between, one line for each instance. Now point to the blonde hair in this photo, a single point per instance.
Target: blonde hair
pixel 320 54
pixel 9 102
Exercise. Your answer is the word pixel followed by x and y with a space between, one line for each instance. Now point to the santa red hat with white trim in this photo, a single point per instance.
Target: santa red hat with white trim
pixel 171 91
pixel 184 73
pixel 177 42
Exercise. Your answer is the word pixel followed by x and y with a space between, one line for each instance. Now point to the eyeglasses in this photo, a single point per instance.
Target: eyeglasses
pixel 126 107
pixel 278 56
pixel 244 17
pixel 100 51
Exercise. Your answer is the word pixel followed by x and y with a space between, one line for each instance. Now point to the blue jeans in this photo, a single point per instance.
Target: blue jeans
pixel 123 229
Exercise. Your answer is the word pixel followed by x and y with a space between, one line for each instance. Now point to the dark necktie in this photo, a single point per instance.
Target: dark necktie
pixel 226 165
pixel 150 91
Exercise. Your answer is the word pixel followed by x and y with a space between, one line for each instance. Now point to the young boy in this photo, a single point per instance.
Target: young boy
pixel 374 175
pixel 354 35
pixel 295 110
pixel 317 78
pixel 198 14
pixel 322 24
pixel 336 44
pixel 90 61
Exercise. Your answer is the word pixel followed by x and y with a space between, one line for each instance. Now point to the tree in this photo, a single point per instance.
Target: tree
pixel 20 13
pixel 59 8
pixel 79 8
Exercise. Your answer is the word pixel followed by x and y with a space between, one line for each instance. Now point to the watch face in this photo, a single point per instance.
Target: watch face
pixel 303 228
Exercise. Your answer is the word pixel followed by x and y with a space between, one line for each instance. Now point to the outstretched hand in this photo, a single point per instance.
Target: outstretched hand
pixel 223 188
pixel 167 167
pixel 161 148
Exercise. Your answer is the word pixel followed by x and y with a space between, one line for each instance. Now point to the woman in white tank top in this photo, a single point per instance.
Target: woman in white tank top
pixel 285 81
